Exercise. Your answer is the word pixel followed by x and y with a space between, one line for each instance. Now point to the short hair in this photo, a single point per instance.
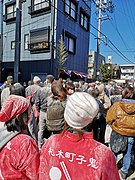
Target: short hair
pixel 50 78
pixel 30 83
pixel 70 85
pixel 18 89
pixel 128 93
pixel 10 78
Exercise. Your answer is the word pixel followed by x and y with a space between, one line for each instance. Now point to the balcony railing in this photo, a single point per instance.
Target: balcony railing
pixel 9 17
pixel 39 8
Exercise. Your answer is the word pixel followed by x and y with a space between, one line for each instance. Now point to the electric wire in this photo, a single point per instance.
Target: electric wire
pixel 112 49
pixel 116 28
pixel 129 24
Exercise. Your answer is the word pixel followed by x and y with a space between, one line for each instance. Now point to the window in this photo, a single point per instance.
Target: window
pixel 39 6
pixel 26 41
pixel 12 44
pixel 39 40
pixel 70 42
pixel 84 19
pixel 10 11
pixel 71 8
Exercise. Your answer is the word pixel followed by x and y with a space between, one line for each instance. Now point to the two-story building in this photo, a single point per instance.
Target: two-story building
pixel 42 24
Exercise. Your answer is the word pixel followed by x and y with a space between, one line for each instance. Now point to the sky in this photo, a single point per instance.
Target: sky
pixel 119 29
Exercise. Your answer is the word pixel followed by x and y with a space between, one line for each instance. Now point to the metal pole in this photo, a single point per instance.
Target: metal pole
pixel 1 39
pixel 17 42
pixel 98 37
pixel 52 32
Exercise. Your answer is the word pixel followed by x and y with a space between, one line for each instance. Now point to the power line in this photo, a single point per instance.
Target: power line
pixel 112 43
pixel 116 28
pixel 120 55
pixel 129 24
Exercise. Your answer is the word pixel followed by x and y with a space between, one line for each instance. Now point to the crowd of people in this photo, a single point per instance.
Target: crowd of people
pixel 63 130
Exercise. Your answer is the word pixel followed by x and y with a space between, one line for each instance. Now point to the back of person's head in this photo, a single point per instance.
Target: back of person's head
pixel 70 87
pixel 76 84
pixel 101 88
pixel 81 83
pixel 81 108
pixel 94 92
pixel 128 93
pixel 17 89
pixel 15 113
pixel 49 78
pixel 10 79
pixel 58 90
pixel 36 80
pixel 30 83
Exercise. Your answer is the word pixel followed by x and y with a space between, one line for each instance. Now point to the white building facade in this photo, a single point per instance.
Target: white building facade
pixel 92 63
pixel 127 71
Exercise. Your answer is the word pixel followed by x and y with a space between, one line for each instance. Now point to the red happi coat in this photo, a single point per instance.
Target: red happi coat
pixel 19 159
pixel 64 158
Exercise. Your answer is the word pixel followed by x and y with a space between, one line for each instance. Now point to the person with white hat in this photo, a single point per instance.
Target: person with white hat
pixel 74 154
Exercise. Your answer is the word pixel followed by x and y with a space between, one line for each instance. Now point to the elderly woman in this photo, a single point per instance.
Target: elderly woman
pixel 74 154
pixel 19 157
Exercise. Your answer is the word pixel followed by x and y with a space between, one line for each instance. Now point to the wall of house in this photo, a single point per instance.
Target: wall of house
pixel 43 62
pixel 79 60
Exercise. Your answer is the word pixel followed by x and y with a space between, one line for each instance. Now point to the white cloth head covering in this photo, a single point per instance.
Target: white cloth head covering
pixel 81 108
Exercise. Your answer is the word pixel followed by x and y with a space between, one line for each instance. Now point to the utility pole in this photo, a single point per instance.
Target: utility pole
pixel 98 36
pixel 17 41
pixel 102 5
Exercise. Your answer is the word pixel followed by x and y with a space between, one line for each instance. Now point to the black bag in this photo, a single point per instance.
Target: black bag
pixel 118 142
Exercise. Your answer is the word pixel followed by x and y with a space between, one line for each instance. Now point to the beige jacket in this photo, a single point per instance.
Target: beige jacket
pixel 121 116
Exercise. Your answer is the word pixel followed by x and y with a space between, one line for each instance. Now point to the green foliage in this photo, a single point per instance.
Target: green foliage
pixel 61 53
pixel 107 72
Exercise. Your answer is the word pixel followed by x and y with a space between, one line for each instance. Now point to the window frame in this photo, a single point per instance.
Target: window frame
pixel 69 36
pixel 42 10
pixel 85 15
pixel 40 45
pixel 12 45
pixel 25 35
pixel 71 2
pixel 13 13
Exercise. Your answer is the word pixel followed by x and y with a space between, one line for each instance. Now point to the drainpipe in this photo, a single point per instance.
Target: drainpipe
pixel 17 42
pixel 52 33
pixel 1 38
